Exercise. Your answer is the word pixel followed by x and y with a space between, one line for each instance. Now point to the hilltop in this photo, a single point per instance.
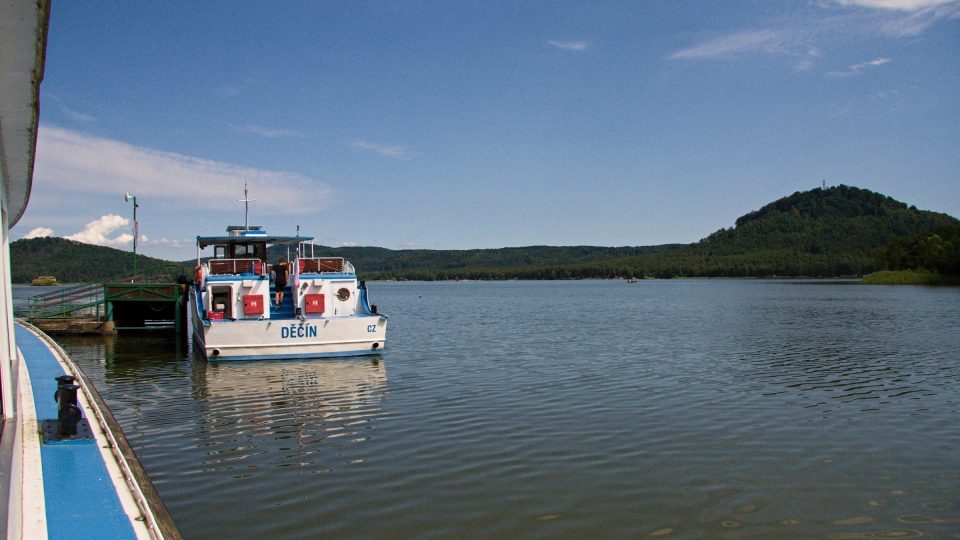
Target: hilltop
pixel 822 232
pixel 838 231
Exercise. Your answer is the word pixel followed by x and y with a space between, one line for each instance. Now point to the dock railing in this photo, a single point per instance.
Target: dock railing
pixel 85 299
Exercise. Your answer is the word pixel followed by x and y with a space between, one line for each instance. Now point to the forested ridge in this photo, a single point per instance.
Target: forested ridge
pixel 75 262
pixel 838 231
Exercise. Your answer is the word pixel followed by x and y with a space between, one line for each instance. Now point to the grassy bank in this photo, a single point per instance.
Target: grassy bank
pixel 909 277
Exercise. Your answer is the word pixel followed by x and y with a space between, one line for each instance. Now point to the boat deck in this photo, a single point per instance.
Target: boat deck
pixel 73 488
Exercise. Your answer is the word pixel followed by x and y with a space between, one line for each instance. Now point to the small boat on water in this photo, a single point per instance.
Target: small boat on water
pixel 44 281
pixel 324 311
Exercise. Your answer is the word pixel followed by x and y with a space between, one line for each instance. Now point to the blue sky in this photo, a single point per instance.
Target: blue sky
pixel 455 125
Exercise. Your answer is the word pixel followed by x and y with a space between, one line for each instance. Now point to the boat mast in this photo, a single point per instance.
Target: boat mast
pixel 246 200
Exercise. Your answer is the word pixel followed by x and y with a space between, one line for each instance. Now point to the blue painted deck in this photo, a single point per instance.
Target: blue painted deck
pixel 80 497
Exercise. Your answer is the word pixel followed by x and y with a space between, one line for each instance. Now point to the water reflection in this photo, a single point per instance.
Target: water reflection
pixel 286 412
pixel 131 356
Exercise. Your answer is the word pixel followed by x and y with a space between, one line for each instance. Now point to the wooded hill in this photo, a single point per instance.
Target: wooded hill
pixel 839 231
pixel 75 262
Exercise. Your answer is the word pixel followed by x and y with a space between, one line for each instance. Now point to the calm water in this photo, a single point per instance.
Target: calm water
pixel 664 409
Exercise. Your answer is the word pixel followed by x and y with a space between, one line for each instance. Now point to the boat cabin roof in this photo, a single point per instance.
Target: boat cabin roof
pixel 204 241
pixel 249 235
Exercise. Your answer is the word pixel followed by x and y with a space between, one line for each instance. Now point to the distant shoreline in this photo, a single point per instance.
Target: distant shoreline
pixel 909 277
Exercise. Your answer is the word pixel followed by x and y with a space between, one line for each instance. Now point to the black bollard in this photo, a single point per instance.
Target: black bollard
pixel 68 413
pixel 61 380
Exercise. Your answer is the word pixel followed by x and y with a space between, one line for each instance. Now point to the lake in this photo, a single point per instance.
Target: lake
pixel 568 409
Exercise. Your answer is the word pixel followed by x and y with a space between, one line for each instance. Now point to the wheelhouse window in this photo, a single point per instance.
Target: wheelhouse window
pixel 256 250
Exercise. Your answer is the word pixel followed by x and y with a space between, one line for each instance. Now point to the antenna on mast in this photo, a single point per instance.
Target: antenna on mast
pixel 246 207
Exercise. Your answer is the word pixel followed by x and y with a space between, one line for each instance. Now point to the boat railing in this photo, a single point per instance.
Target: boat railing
pixel 324 265
pixel 219 267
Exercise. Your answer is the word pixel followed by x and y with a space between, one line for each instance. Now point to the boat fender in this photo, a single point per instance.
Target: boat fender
pixel 199 277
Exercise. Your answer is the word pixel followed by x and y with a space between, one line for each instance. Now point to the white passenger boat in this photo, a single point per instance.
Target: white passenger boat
pixel 324 311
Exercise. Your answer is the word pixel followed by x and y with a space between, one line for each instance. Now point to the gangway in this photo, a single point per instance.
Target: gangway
pixel 83 299
pixel 123 304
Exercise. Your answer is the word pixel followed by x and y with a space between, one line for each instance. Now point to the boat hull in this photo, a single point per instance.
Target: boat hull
pixel 290 338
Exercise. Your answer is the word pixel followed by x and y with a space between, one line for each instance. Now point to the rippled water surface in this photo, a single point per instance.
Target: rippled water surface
pixel 662 409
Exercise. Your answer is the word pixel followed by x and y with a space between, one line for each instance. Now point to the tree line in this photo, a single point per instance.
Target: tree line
pixel 838 231
pixel 75 262
pixel 938 252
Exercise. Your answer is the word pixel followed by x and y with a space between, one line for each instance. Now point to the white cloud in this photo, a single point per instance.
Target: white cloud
pixel 918 20
pixel 392 151
pixel 570 45
pixel 749 41
pixel 98 232
pixel 71 113
pixel 76 163
pixel 871 63
pixel 76 115
pixel 38 232
pixel 807 33
pixel 270 133
pixel 803 65
pixel 885 94
pixel 900 5
pixel 166 242
pixel 857 69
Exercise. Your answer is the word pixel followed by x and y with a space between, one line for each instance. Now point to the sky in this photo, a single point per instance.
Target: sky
pixel 460 125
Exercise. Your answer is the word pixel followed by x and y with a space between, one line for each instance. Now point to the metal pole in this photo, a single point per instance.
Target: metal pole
pixel 135 233
pixel 246 200
pixel 136 230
